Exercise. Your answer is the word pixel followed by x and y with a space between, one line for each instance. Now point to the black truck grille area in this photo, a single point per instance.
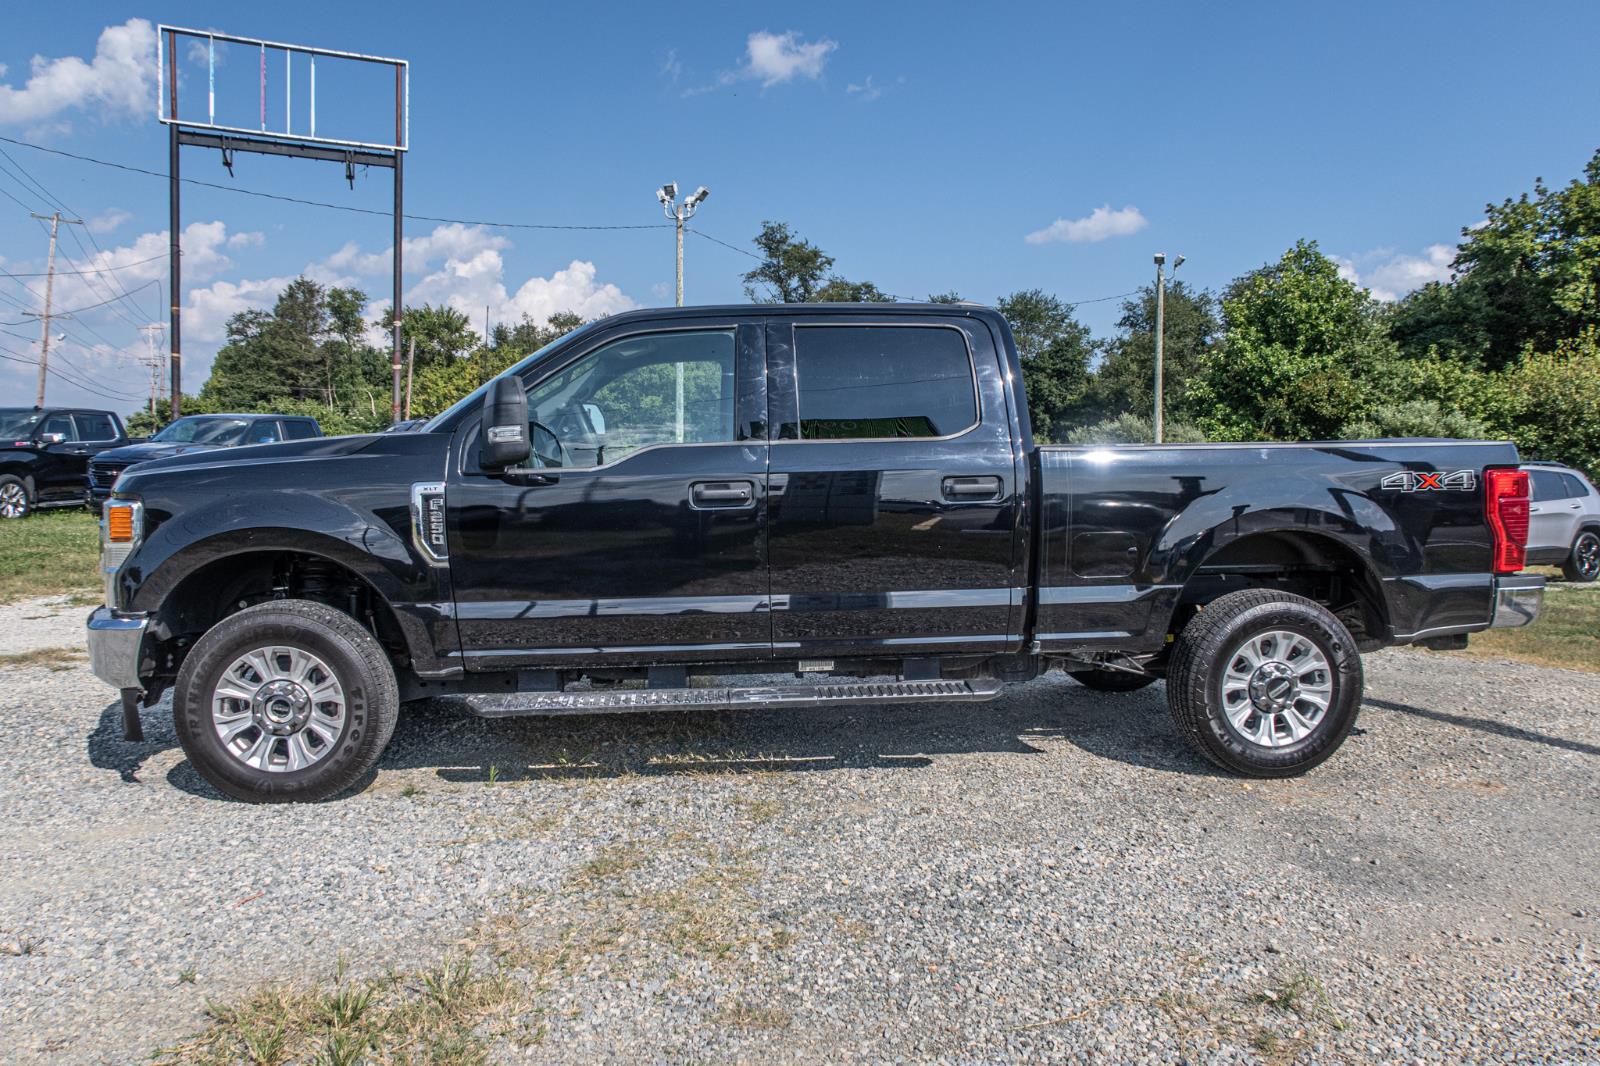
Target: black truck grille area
pixel 104 475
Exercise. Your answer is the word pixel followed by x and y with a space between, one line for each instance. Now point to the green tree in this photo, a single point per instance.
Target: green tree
pixel 791 270
pixel 1528 276
pixel 1548 403
pixel 1124 379
pixel 1303 353
pixel 1128 428
pixel 949 296
pixel 838 290
pixel 442 333
pixel 1055 349
pixel 1414 418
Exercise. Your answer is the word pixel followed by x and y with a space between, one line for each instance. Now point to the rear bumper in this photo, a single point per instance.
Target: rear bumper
pixel 115 643
pixel 1517 600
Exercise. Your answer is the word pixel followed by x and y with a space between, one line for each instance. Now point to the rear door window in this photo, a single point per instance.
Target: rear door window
pixel 1547 486
pixel 94 427
pixel 882 382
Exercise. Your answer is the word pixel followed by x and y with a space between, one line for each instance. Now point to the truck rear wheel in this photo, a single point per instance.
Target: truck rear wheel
pixel 287 701
pixel 1265 683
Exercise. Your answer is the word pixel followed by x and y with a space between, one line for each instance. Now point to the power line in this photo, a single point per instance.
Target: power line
pixel 7 353
pixel 100 270
pixel 322 203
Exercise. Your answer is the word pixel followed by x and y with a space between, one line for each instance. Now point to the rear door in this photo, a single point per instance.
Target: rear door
pixel 1552 514
pixel 637 533
pixel 893 490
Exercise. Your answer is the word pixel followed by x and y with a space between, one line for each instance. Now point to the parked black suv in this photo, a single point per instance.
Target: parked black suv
pixel 196 433
pixel 44 455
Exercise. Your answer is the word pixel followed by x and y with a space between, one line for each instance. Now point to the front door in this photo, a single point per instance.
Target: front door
pixel 63 472
pixel 893 490
pixel 636 533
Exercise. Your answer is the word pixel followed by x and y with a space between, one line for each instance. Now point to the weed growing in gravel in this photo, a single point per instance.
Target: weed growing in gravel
pixel 186 976
pixel 1301 995
pixel 742 1015
pixel 445 1015
pixel 56 659
pixel 22 945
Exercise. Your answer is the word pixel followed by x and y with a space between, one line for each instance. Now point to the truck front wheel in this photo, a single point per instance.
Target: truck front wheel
pixel 287 701
pixel 1265 683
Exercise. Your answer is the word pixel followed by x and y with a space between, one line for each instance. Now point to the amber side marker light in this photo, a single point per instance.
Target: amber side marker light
pixel 119 524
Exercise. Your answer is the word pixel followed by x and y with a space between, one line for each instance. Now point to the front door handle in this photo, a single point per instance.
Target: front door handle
pixel 971 488
pixel 722 494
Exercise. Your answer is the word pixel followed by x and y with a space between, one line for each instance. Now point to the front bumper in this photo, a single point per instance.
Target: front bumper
pixel 115 643
pixel 1517 600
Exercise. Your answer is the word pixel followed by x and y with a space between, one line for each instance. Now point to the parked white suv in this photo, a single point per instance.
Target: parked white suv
pixel 1564 521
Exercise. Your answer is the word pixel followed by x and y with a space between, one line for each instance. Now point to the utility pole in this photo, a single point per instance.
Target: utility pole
pixel 55 221
pixel 680 213
pixel 1161 330
pixel 153 362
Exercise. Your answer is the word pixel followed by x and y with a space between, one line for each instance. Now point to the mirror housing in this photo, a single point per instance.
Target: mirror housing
pixel 503 440
pixel 52 438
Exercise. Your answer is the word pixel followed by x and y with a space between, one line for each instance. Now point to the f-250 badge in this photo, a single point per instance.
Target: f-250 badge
pixel 1431 481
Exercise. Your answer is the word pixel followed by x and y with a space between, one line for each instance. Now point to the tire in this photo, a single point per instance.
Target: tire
pixel 16 501
pixel 1111 680
pixel 1270 722
pixel 315 688
pixel 1582 563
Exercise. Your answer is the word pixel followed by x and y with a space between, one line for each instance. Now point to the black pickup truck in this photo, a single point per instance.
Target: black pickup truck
pixel 637 515
pixel 45 454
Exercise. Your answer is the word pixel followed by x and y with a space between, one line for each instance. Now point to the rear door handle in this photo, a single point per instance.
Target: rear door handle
pixel 721 494
pixel 971 488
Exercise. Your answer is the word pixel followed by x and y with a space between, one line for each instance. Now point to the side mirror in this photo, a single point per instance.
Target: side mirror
pixel 52 438
pixel 504 439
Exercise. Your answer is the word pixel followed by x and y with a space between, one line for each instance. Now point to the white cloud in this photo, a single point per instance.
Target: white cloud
pixel 464 269
pixel 672 66
pixel 119 79
pixel 131 265
pixel 1389 275
pixel 207 310
pixel 108 220
pixel 867 90
pixel 779 57
pixel 773 59
pixel 1101 223
pixel 247 239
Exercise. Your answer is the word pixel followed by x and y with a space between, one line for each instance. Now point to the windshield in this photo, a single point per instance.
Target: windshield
pixel 475 397
pixel 17 422
pixel 203 430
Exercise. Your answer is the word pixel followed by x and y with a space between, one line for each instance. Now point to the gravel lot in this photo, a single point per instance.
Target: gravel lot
pixel 1048 877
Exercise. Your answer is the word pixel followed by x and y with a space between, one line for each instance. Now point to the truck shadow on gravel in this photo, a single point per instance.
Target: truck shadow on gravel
pixel 459 747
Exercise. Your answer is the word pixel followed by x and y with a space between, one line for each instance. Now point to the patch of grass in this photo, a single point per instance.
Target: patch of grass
pixel 742 1015
pixel 56 659
pixel 1301 995
pixel 1567 633
pixel 445 1015
pixel 186 976
pixel 48 554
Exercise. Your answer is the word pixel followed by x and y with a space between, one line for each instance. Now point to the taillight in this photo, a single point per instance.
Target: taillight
pixel 1505 505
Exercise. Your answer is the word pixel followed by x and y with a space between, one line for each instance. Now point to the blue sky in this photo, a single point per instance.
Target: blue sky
pixel 921 145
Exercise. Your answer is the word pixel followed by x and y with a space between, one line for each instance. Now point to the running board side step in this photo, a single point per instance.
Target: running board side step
pixel 615 701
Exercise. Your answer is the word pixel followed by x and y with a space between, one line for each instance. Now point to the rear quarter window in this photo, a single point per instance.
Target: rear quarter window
pixel 298 429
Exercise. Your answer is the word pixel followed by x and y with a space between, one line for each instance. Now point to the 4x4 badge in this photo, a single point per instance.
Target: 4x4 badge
pixel 1430 481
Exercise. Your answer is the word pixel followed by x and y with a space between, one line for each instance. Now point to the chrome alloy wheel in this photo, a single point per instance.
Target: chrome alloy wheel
pixel 1586 556
pixel 13 500
pixel 279 709
pixel 1276 688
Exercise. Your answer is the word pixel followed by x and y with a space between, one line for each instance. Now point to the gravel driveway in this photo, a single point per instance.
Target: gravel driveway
pixel 1048 877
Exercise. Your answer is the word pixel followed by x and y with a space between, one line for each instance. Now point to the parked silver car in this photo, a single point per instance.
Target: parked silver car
pixel 1564 521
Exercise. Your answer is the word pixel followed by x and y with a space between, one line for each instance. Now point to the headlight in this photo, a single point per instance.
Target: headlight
pixel 121 528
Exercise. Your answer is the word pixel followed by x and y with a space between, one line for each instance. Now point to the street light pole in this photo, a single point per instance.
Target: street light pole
pixel 1161 331
pixel 680 213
